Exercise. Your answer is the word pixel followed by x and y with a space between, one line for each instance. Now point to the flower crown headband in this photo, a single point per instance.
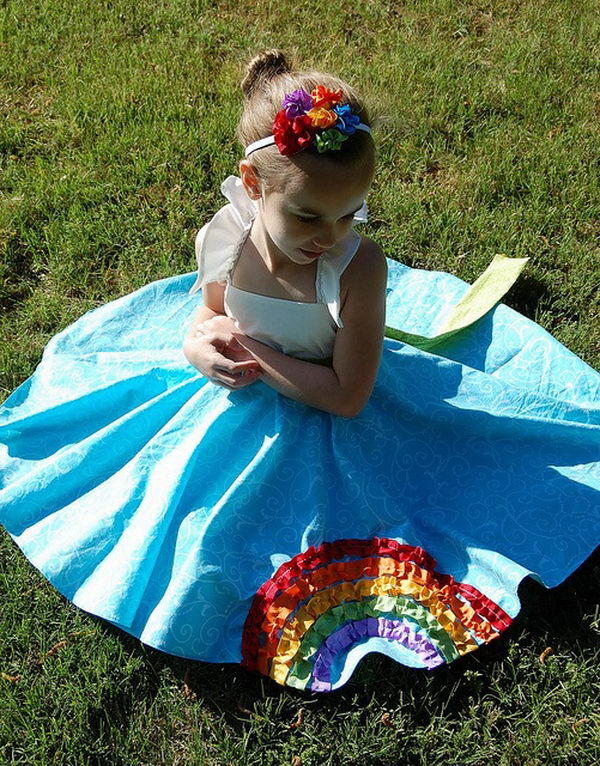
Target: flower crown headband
pixel 305 119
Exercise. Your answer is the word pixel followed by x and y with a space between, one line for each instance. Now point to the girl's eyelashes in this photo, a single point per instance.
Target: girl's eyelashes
pixel 310 220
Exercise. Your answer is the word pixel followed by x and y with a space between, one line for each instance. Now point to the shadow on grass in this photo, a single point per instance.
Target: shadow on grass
pixel 525 295
pixel 555 616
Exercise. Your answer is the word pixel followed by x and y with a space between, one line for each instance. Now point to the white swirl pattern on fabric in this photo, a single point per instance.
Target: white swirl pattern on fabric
pixel 153 498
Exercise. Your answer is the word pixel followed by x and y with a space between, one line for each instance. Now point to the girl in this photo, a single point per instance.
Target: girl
pixel 294 490
pixel 307 201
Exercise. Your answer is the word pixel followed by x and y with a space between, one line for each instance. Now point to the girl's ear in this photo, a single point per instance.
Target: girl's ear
pixel 250 179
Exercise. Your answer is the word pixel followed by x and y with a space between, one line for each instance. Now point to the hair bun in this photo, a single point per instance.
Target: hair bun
pixel 262 68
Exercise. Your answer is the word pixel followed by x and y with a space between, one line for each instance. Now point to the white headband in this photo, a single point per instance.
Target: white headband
pixel 271 139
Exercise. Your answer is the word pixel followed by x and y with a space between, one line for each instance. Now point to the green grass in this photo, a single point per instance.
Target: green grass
pixel 118 127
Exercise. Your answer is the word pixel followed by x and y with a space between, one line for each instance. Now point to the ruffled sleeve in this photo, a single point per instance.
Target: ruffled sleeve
pixel 217 240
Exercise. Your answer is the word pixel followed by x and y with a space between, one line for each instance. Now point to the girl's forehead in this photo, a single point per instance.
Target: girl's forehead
pixel 328 190
pixel 327 201
pixel 314 173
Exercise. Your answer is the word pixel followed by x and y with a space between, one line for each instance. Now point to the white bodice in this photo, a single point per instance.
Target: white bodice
pixel 302 329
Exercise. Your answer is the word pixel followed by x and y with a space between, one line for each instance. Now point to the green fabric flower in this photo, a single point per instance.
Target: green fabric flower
pixel 329 139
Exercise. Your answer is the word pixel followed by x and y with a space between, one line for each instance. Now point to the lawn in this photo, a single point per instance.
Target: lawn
pixel 118 128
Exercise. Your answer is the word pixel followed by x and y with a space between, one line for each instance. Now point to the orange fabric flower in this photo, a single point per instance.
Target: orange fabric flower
pixel 321 117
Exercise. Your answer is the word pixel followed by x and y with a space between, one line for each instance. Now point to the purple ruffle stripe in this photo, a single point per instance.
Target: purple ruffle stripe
pixel 349 634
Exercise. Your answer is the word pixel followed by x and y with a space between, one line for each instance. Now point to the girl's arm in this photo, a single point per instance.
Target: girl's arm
pixel 345 388
pixel 212 298
pixel 218 359
pixel 202 315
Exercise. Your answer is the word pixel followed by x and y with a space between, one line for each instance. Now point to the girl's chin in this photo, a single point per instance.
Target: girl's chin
pixel 299 257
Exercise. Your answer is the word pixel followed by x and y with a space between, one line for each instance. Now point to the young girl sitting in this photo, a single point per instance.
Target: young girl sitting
pixel 266 478
pixel 299 244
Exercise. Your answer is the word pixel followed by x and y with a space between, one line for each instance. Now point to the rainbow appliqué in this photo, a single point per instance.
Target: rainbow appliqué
pixel 321 603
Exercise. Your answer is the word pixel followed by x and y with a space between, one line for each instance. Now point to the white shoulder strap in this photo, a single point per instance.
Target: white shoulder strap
pixel 217 240
pixel 330 269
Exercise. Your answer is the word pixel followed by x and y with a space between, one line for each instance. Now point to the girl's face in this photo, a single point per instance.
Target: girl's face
pixel 303 224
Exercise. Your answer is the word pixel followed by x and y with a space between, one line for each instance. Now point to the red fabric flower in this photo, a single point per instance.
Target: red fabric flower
pixel 292 135
pixel 325 97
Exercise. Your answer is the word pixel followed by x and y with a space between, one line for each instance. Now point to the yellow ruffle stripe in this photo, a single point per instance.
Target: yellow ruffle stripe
pixel 289 643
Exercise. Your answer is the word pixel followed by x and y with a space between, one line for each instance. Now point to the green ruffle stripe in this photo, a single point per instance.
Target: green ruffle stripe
pixel 402 607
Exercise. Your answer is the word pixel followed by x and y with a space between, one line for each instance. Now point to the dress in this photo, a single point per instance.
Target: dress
pixel 243 526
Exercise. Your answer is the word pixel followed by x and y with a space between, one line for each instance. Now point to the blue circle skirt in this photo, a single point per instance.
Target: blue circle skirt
pixel 243 526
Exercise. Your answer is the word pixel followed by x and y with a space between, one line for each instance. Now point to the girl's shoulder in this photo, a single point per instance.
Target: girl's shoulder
pixel 368 266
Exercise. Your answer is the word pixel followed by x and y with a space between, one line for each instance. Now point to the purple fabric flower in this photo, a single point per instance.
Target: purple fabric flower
pixel 296 103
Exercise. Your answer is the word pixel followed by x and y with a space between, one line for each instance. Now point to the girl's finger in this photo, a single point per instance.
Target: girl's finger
pixel 216 335
pixel 218 382
pixel 229 366
pixel 247 381
pixel 248 372
pixel 236 384
pixel 247 364
pixel 222 375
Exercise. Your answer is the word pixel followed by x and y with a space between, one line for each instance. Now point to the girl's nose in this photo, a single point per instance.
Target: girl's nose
pixel 326 239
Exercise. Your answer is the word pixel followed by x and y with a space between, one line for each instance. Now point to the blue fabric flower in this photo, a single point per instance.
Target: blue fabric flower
pixel 347 120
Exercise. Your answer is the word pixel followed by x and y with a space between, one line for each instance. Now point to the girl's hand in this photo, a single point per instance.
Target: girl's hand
pixel 219 356
pixel 218 323
pixel 224 324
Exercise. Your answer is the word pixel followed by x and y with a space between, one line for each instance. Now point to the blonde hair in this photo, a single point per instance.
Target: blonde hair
pixel 269 76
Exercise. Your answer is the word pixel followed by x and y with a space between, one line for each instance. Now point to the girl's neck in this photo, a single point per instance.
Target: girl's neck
pixel 266 249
